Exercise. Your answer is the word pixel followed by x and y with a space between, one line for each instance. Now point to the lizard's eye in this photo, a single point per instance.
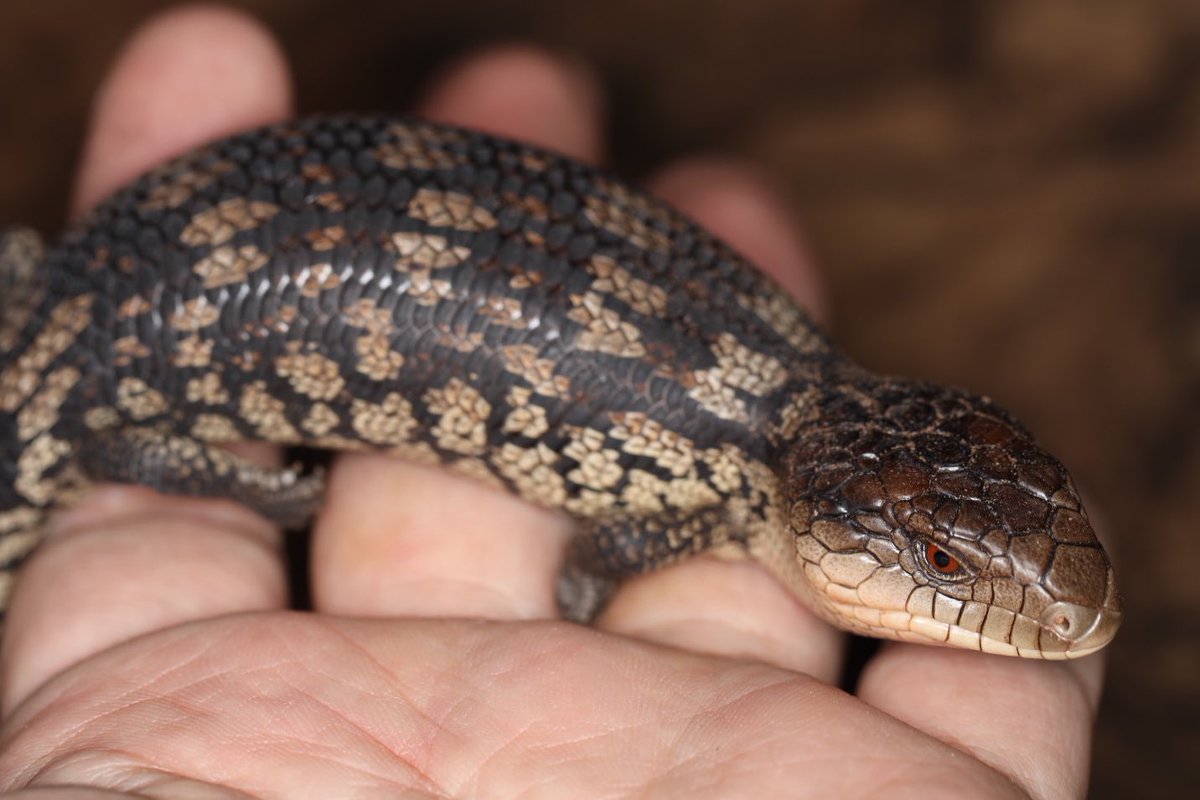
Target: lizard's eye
pixel 941 563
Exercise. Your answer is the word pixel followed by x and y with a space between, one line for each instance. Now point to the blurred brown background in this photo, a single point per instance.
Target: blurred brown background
pixel 1002 194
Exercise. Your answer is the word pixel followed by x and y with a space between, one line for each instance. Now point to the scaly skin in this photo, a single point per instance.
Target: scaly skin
pixel 457 299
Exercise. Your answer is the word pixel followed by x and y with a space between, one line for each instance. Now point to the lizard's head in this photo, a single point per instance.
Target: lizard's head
pixel 926 514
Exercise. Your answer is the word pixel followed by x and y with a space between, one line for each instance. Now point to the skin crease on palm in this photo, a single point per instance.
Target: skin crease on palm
pixel 149 653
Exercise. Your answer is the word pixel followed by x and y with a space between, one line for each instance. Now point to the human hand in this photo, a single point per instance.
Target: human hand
pixel 148 653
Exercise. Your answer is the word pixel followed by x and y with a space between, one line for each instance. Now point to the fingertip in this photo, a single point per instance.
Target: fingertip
pixel 128 561
pixel 524 93
pixel 743 206
pixel 186 76
pixel 397 538
pixel 1030 720
pixel 726 608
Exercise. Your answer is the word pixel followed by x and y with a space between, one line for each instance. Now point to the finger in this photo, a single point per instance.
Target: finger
pixel 186 77
pixel 709 605
pixel 742 206
pixel 127 561
pixel 1029 720
pixel 524 94
pixel 399 539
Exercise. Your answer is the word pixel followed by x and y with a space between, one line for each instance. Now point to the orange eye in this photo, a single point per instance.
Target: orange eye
pixel 940 560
